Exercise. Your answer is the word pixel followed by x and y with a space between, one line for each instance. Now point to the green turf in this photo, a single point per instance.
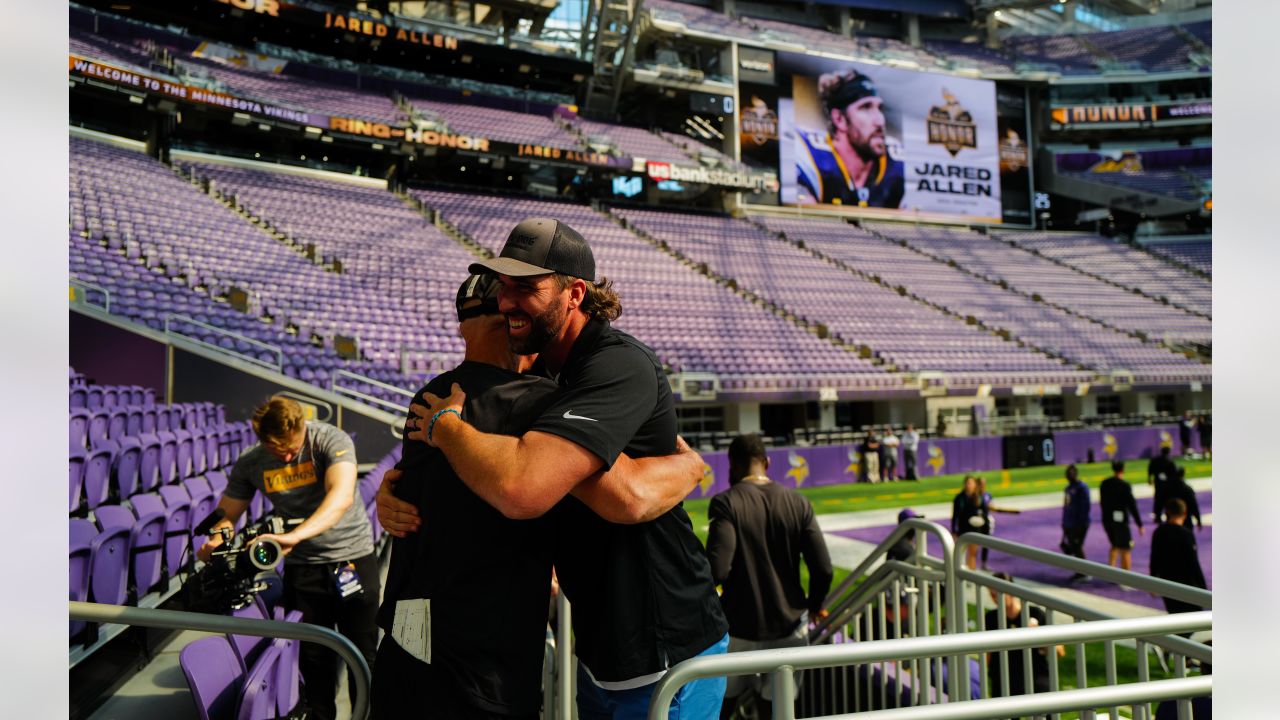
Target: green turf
pixel 855 497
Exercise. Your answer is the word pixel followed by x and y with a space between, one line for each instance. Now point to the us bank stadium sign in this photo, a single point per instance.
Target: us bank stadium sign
pixel 661 171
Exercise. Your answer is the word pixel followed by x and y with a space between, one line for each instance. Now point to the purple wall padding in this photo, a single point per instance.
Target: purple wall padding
pixel 835 464
pixel 109 355
pixel 1118 443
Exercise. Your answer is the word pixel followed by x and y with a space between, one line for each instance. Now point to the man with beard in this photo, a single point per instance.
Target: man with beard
pixel 639 579
pixel 850 165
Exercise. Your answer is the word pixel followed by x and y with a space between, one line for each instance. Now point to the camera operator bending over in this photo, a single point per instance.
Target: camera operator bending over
pixel 307 469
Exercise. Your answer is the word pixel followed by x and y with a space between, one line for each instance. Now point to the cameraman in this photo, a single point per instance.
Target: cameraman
pixel 307 469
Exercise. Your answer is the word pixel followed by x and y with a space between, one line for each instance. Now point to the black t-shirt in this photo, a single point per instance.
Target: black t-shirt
pixel 1181 490
pixel 642 595
pixel 1175 555
pixel 488 577
pixel 1161 469
pixel 1117 502
pixel 758 535
pixel 1017 669
pixel 963 509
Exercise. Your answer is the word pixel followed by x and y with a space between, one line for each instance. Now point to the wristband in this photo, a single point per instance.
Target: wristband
pixel 432 426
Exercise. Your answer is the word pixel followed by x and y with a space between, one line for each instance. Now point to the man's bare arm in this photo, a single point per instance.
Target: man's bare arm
pixel 639 490
pixel 396 516
pixel 233 509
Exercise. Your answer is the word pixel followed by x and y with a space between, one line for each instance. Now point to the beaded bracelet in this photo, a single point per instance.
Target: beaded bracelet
pixel 432 426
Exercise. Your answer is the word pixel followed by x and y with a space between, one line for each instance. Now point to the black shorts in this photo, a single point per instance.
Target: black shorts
pixel 1119 535
pixel 406 687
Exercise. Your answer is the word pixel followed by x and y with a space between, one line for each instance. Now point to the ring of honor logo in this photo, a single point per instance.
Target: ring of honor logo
pixel 951 126
pixel 759 122
pixel 1013 152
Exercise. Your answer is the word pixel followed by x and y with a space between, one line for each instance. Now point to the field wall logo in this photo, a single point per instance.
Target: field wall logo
pixel 799 468
pixel 936 458
pixel 759 122
pixel 951 126
pixel 708 478
pixel 854 466
pixel 1109 445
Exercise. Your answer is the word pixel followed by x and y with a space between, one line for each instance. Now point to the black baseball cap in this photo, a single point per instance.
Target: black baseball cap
pixel 538 246
pixel 483 287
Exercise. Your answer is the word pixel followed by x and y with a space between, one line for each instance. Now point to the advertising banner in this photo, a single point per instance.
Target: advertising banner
pixel 189 93
pixel 1121 113
pixel 846 133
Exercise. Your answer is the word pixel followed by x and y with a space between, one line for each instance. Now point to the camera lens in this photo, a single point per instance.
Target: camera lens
pixel 265 554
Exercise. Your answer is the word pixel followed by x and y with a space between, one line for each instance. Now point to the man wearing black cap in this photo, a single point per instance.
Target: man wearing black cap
pixel 850 165
pixel 760 531
pixel 626 554
pixel 465 621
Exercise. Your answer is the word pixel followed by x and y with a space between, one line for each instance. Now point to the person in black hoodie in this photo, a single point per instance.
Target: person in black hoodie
pixel 1175 555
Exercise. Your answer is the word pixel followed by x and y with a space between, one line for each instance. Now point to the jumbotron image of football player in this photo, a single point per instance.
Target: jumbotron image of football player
pixel 850 165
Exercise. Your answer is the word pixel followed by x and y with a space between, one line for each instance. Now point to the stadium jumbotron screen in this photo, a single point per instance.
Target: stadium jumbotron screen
pixel 854 134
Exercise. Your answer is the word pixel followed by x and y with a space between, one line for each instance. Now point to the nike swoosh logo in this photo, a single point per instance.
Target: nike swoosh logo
pixel 340 453
pixel 568 415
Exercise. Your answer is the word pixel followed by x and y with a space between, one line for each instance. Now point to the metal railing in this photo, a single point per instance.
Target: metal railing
pixel 171 318
pixel 84 287
pixel 335 388
pixel 783 663
pixel 179 620
pixel 928 597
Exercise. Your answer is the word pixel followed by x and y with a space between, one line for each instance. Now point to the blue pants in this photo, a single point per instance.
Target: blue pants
pixel 698 700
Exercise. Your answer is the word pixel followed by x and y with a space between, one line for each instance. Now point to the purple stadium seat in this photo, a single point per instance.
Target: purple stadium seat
pixel 258 695
pixel 150 424
pixel 212 452
pixel 125 467
pixel 202 503
pixel 287 688
pixel 133 427
pixel 178 528
pixel 95 397
pixel 79 555
pixel 75 481
pixel 149 463
pixel 109 565
pixel 214 677
pixel 118 423
pixel 184 452
pixel 97 476
pixel 372 511
pixel 78 428
pixel 248 648
pixel 78 397
pixel 168 457
pixel 151 542
pixel 98 423
pixel 162 420
pixel 217 482
pixel 110 397
pixel 198 464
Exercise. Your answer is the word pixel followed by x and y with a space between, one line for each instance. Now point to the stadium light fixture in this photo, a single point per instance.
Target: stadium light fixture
pixel 312 130
pixel 136 99
pixel 264 127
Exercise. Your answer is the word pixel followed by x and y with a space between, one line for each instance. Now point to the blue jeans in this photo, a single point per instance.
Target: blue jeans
pixel 698 700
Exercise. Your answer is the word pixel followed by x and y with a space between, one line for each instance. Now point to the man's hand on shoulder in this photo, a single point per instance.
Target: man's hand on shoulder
pixel 420 422
pixel 397 517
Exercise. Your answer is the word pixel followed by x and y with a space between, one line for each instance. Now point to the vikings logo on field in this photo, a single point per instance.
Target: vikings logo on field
pixel 1166 440
pixel 1109 445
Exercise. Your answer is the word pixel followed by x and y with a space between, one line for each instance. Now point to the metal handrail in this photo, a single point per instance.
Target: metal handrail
pixel 278 366
pixel 85 285
pixel 335 388
pixel 952 600
pixel 1165 588
pixel 784 662
pixel 1173 643
pixel 1057 701
pixel 180 620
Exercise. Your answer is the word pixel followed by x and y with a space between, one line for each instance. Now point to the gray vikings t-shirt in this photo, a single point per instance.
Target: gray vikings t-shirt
pixel 296 489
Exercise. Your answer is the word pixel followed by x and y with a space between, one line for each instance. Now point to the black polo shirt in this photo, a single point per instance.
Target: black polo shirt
pixel 488 577
pixel 642 595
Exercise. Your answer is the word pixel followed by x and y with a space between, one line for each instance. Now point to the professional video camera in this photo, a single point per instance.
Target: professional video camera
pixel 239 568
